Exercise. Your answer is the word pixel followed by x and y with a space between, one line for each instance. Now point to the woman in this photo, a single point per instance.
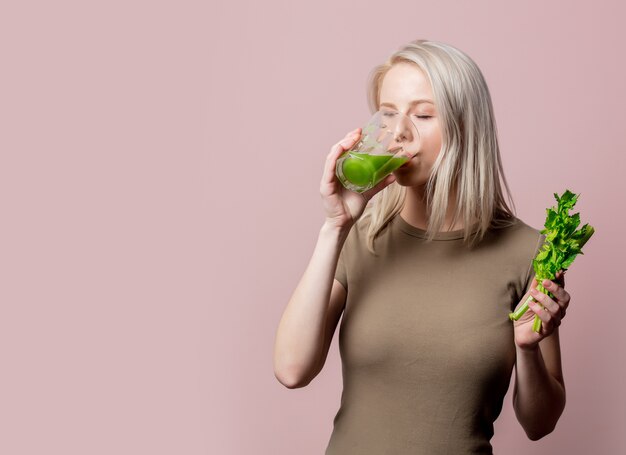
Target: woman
pixel 425 276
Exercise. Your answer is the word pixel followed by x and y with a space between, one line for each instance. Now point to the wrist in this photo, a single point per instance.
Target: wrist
pixel 529 349
pixel 332 230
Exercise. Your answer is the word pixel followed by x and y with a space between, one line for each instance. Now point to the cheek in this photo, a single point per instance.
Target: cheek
pixel 430 146
pixel 431 143
pixel 428 130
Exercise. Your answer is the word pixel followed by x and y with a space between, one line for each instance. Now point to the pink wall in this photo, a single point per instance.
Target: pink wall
pixel 159 189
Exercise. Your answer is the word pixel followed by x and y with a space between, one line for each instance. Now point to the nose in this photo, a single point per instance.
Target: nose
pixel 405 130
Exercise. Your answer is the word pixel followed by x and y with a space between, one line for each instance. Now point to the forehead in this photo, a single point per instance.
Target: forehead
pixel 403 83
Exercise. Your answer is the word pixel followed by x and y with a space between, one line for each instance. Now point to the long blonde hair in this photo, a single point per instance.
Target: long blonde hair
pixel 470 156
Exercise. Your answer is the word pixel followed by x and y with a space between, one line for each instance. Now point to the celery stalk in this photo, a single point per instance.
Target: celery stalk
pixel 561 246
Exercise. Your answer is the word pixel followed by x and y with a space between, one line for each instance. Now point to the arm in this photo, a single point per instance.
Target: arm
pixel 539 391
pixel 309 320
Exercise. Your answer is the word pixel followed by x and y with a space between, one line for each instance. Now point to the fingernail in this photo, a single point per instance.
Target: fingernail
pixel 546 283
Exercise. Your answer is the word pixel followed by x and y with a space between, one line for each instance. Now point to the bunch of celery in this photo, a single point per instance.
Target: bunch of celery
pixel 562 243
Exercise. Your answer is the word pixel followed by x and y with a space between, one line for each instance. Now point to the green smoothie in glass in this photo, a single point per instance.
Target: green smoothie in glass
pixel 379 152
pixel 360 171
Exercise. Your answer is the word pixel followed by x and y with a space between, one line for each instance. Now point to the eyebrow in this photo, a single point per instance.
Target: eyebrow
pixel 412 103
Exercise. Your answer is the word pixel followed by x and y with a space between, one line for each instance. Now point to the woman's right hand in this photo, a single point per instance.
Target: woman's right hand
pixel 344 207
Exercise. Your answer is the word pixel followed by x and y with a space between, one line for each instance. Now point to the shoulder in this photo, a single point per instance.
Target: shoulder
pixel 528 235
pixel 515 247
pixel 516 232
pixel 359 237
pixel 359 229
pixel 355 235
pixel 513 242
pixel 525 229
pixel 525 240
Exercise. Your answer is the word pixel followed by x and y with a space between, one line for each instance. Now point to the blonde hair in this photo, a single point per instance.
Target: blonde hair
pixel 470 156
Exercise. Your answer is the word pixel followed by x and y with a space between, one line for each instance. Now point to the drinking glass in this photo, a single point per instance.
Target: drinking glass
pixel 389 140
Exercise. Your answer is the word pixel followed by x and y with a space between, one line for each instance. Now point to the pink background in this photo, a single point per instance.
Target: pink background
pixel 160 201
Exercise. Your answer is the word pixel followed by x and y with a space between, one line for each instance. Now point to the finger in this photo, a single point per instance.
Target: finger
pixel 533 285
pixel 348 141
pixel 552 307
pixel 340 147
pixel 561 278
pixel 544 315
pixel 335 152
pixel 559 293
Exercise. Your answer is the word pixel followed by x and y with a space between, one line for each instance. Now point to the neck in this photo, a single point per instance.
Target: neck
pixel 414 210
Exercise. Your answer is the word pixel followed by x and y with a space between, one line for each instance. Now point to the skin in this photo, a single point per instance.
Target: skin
pixel 403 84
pixel 539 391
pixel 310 319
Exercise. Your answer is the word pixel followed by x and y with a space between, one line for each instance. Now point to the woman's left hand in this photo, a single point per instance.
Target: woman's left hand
pixel 551 311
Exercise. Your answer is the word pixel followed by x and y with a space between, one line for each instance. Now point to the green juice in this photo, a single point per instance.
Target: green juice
pixel 365 171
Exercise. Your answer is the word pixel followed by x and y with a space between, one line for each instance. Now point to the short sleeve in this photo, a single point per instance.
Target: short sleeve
pixel 341 274
pixel 530 274
pixel 344 263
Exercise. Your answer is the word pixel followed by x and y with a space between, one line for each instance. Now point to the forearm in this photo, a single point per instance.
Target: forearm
pixel 299 337
pixel 539 397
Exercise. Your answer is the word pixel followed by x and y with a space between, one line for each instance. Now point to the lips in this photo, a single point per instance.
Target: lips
pixel 407 163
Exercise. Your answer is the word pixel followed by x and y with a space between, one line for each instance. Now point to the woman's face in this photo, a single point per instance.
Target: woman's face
pixel 404 89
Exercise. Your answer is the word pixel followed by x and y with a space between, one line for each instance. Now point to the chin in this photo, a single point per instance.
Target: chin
pixel 409 179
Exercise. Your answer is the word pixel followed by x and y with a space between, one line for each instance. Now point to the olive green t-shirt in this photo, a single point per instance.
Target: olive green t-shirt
pixel 426 344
